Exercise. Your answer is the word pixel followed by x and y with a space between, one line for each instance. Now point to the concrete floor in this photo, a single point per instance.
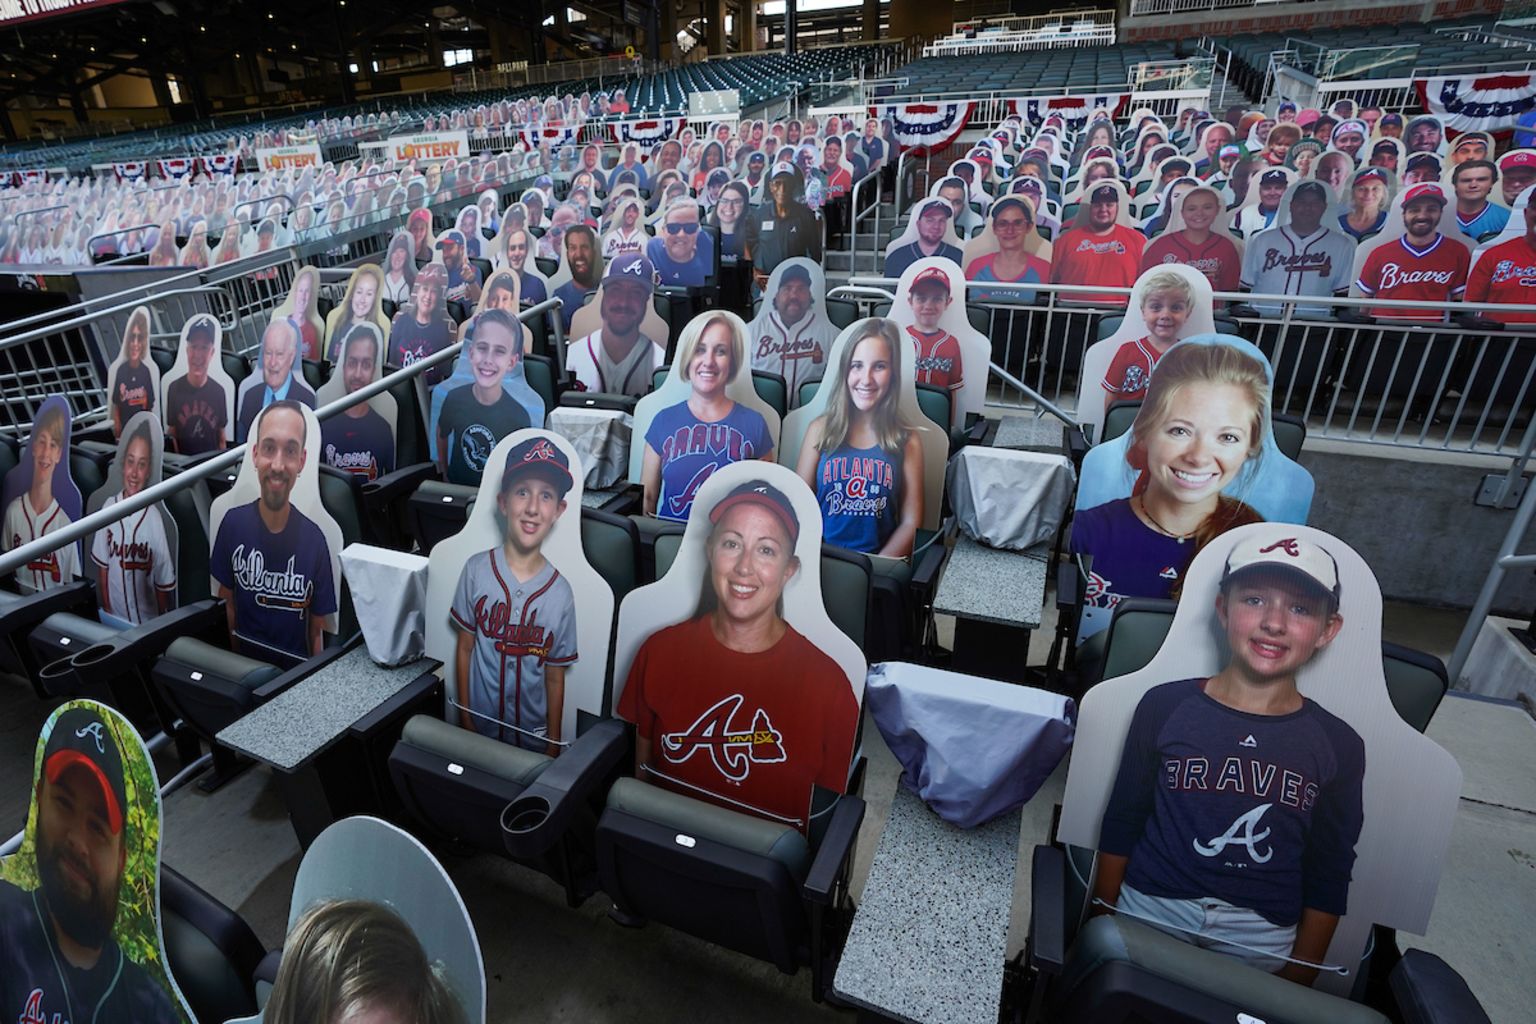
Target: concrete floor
pixel 546 962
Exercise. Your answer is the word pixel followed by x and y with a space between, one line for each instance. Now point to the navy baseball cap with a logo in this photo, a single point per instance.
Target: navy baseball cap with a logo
pixel 538 456
pixel 451 237
pixel 794 272
pixel 632 268
pixel 80 738
pixel 764 494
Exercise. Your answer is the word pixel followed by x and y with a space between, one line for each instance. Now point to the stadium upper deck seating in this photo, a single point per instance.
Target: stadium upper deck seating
pixel 1081 69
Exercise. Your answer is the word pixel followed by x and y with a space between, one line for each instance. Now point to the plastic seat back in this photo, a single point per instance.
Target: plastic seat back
pixel 540 373
pixel 612 545
pixel 210 949
pixel 773 389
pixel 1416 682
pixel 934 402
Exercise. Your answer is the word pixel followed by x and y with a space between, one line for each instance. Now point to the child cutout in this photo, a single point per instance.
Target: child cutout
pixel 199 399
pixel 40 497
pixel 1167 298
pixel 1008 250
pixel 134 558
pixel 949 349
pixel 362 304
pixel 133 378
pixel 423 326
pixel 1269 804
pixel 361 440
pixel 1197 237
pixel 301 310
pixel 720 421
pixel 485 400
pixel 399 269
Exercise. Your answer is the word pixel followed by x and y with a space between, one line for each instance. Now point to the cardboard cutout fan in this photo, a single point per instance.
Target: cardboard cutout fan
pixel 1353 820
pixel 133 560
pixel 361 440
pixel 1198 236
pixel 301 310
pixel 278 375
pixel 1009 249
pixel 1100 248
pixel 95 824
pixel 1420 253
pixel 276 550
pixel 1266 187
pixel 1305 255
pixel 39 497
pixel 951 354
pixel 363 303
pixel 704 416
pixel 792 334
pixel 930 231
pixel 608 351
pixel 133 378
pixel 199 396
pixel 1504 268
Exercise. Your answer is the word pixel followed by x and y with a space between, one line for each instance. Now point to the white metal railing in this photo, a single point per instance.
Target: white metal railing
pixel 1154 8
pixel 1027 22
pixel 1053 38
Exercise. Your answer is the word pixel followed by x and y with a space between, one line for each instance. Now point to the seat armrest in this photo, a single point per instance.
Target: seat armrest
pixel 541 815
pixel 308 667
pixel 1047 918
pixel 145 642
pixel 831 863
pixel 267 970
pixel 20 614
pixel 1352 315
pixel 975 431
pixel 925 571
pixel 227 930
pixel 1076 444
pixel 1068 585
pixel 1428 991
pixel 404 480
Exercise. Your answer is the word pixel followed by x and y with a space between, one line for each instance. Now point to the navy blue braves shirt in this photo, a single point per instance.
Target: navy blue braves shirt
pixel 692 450
pixel 278 579
pixel 1261 811
pixel 361 445
pixel 1130 559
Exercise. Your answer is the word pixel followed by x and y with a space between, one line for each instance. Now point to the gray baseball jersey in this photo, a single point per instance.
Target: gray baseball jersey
pixel 519 629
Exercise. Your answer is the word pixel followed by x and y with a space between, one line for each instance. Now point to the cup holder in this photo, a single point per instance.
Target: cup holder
pixel 57 671
pixel 524 815
pixel 92 655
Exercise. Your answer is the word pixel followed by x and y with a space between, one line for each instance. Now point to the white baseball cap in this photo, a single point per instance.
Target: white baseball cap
pixel 1265 550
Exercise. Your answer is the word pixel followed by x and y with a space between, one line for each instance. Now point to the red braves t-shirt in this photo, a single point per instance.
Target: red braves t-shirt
pixel 1506 273
pixel 1131 370
pixel 755 729
pixel 1217 258
pixel 1396 270
pixel 1112 259
pixel 938 359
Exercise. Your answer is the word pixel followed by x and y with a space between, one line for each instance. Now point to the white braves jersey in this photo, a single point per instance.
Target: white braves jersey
pixel 796 352
pixel 1280 262
pixel 582 362
pixel 136 557
pixel 619 242
pixel 23 526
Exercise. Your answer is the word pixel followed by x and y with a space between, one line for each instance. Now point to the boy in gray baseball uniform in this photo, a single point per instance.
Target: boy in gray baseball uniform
pixel 515 613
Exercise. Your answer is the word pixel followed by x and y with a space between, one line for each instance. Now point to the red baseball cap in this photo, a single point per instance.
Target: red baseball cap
pixel 1519 158
pixel 933 275
pixel 1425 190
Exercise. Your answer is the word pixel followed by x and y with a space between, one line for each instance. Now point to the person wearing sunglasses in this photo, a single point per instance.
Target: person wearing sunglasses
pixel 682 253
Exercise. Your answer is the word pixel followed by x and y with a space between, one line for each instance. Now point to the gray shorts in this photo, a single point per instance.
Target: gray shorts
pixel 1213 924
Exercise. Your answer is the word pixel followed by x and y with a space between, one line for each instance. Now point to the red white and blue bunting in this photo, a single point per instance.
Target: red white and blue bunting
pixel 647 132
pixel 130 170
pixel 554 135
pixel 1074 110
pixel 220 163
pixel 176 167
pixel 32 177
pixel 1478 104
pixel 925 126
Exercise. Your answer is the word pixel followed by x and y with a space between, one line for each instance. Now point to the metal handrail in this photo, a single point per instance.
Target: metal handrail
pixel 88 524
pixel 855 215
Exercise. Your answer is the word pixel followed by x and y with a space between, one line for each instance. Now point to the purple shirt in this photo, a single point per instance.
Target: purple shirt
pixel 1130 559
pixel 691 451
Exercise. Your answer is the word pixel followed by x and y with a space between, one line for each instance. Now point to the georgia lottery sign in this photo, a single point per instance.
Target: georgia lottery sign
pixel 429 146
pixel 282 158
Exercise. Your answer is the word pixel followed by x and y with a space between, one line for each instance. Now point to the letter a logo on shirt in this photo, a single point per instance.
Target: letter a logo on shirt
pixel 1241 833
pixel 732 749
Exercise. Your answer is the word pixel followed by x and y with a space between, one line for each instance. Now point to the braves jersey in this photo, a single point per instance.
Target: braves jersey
pixel 1506 273
pixel 752 729
pixel 1396 270
pixel 691 451
pixel 196 416
pixel 410 341
pixel 587 361
pixel 1131 370
pixel 471 430
pixel 618 242
pixel 1130 559
pixel 984 268
pixel 938 359
pixel 277 580
pixel 22 526
pixel 1216 257
pixel 1280 262
pixel 361 445
pixel 904 256
pixel 520 628
pixel 1112 259
pixel 133 390
pixel 39 986
pixel 1487 222
pixel 859 491
pixel 1262 811
pixel 797 352
pixel 460 279
pixel 135 557
pixel 1253 219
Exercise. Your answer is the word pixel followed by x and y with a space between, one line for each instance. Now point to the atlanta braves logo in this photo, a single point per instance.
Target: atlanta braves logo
pixel 680 503
pixel 1393 276
pixel 543 451
pixel 732 749
pixel 1115 247
pixel 33 1012
pixel 1288 545
pixel 1242 832
pixel 95 732
pixel 1299 263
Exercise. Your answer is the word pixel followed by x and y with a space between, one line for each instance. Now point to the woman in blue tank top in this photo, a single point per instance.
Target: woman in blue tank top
pixel 864 462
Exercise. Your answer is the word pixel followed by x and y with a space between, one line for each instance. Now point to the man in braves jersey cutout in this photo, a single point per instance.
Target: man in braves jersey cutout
pixel 270 560
pixel 734 704
pixel 794 338
pixel 1099 251
pixel 1303 257
pixel 61 962
pixel 1196 245
pixel 1476 215
pixel 1253 219
pixel 133 388
pixel 423 327
pixel 515 613
pixel 359 441
pixel 477 415
pixel 37 513
pixel 932 223
pixel 939 361
pixel 1166 302
pixel 1422 264
pixel 1234 817
pixel 196 405
pixel 1507 273
pixel 135 567
pixel 616 358
pixel 279 376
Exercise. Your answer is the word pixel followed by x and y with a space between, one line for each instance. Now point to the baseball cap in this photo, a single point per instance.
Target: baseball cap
pixel 1371 172
pixel 1310 188
pixel 1274 177
pixel 80 737
pixel 1294 556
pixel 1346 127
pixel 1425 190
pixel 764 494
pixel 202 328
pixel 1422 159
pixel 1105 194
pixel 1390 119
pixel 632 268
pixel 794 272
pixel 1519 158
pixel 1306 117
pixel 1473 140
pixel 939 206
pixel 450 237
pixel 1095 152
pixel 1228 150
pixel 782 169
pixel 541 456
pixel 433 273
pixel 757 157
pixel 1384 146
pixel 933 275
